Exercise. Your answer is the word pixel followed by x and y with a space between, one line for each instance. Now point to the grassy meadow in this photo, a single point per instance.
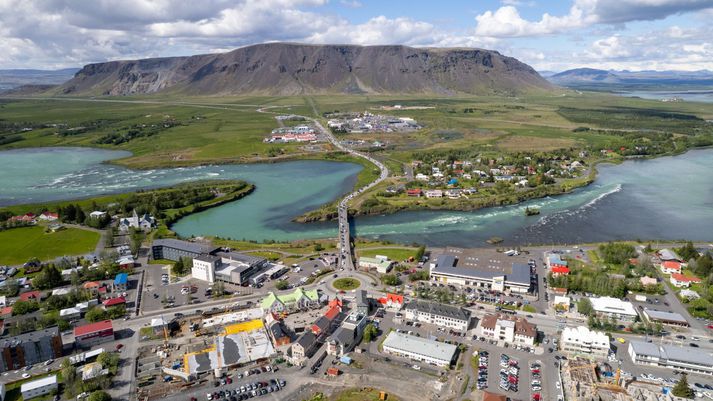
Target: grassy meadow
pixel 18 245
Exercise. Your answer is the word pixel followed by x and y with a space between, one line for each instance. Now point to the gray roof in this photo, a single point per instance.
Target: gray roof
pixel 306 340
pixel 241 257
pixel 184 245
pixel 439 309
pixel 208 258
pixel 32 336
pixel 667 316
pixel 694 356
pixel 446 264
pixel 342 335
pixel 277 330
pixel 419 345
pixel 361 299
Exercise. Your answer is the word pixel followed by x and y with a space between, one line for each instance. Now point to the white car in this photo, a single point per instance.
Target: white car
pixel 416 367
pixel 25 375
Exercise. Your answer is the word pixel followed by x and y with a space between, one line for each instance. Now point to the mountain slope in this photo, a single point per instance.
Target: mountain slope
pixel 582 75
pixel 293 69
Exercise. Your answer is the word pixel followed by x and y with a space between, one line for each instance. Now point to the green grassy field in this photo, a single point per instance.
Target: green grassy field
pixel 397 254
pixel 18 245
pixel 346 284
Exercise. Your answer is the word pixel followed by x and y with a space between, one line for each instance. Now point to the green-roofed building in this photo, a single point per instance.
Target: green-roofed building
pixel 382 264
pixel 298 300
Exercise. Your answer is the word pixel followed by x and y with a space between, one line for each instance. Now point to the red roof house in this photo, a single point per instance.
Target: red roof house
pixel 333 312
pixel 560 271
pixel 671 266
pixel 31 296
pixel 93 333
pixel 335 302
pixel 114 301
pixel 392 301
pixel 49 216
pixel 414 192
pixel 6 311
pixel 679 280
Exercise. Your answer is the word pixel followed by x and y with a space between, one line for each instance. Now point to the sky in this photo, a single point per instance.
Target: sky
pixel 552 35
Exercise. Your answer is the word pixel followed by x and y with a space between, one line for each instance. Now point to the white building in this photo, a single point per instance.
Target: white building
pixel 613 307
pixel 439 314
pixel 38 387
pixel 145 223
pixel 433 193
pixel 561 302
pixel 204 267
pixel 582 341
pixel 419 349
pixel 382 264
pixel 508 329
pixel 692 360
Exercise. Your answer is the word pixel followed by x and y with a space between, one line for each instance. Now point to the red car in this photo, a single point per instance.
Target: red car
pixel 710 326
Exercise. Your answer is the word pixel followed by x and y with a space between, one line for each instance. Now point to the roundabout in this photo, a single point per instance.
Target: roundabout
pixel 346 283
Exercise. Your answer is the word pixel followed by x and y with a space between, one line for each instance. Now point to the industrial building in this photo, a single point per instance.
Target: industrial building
pixel 228 267
pixel 464 268
pixel 583 341
pixel 173 249
pixel 452 317
pixel 419 349
pixel 692 360
pixel 30 348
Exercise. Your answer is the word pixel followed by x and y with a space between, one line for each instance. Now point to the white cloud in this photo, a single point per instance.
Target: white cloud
pixel 351 3
pixel 507 22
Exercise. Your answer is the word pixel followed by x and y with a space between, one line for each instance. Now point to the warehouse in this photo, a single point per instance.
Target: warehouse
pixel 614 308
pixel 669 318
pixel 672 357
pixel 38 387
pixel 419 349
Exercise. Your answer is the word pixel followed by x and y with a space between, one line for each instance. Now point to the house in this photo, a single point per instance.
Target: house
pixel 646 280
pixel 671 266
pixel 28 218
pixel 31 296
pixel 583 341
pixel 108 303
pixel 382 264
pixel 121 282
pixel 144 223
pixel 92 287
pixel 97 214
pixel 348 335
pixel 60 291
pixel 303 348
pixel 554 260
pixel 300 299
pixel 421 177
pixel 452 317
pixel 560 271
pixel 70 313
pixel 433 193
pixel 278 334
pixel 48 216
pixel 39 387
pixel 392 301
pixel 681 281
pixel 126 262
pixel 561 302
pixel 414 192
pixel 508 329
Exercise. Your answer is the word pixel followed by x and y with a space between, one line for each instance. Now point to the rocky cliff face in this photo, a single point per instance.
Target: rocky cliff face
pixel 295 69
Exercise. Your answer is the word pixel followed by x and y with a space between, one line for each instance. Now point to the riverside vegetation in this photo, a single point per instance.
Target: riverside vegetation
pixel 532 131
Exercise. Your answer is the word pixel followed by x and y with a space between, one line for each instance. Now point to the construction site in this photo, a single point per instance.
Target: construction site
pixel 583 380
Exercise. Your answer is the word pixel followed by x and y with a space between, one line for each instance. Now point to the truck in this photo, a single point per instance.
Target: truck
pixel 640 297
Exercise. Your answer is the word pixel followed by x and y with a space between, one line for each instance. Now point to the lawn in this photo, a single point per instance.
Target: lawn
pixel 18 245
pixel 361 394
pixel 346 284
pixel 398 254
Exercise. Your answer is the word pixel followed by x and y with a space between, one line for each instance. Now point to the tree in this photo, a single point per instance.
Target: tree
pixel 99 396
pixel 24 307
pixel 178 267
pixel 419 253
pixel 682 389
pixel 282 285
pixel 688 251
pixel 584 306
pixel 370 332
pixel 11 287
pixel 390 279
pixel 318 247
pixel 109 360
pixel 96 314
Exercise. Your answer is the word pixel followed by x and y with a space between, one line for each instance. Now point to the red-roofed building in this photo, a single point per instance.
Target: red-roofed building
pixel 6 311
pixel 92 286
pixel 560 271
pixel 49 216
pixel 26 218
pixel 114 302
pixel 335 302
pixel 392 301
pixel 93 333
pixel 31 296
pixel 681 281
pixel 558 290
pixel 671 266
pixel 634 261
pixel 333 312
pixel 414 192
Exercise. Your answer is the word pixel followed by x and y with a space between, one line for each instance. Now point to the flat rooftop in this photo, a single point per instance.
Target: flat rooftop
pixel 419 345
pixel 482 264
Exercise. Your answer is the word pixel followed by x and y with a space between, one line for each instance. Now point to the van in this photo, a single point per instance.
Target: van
pixel 694 338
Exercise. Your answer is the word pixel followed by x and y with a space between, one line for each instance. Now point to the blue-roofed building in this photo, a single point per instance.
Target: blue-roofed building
pixel 121 282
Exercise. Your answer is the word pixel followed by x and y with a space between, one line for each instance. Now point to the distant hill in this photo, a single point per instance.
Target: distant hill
pixel 10 79
pixel 590 78
pixel 294 69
